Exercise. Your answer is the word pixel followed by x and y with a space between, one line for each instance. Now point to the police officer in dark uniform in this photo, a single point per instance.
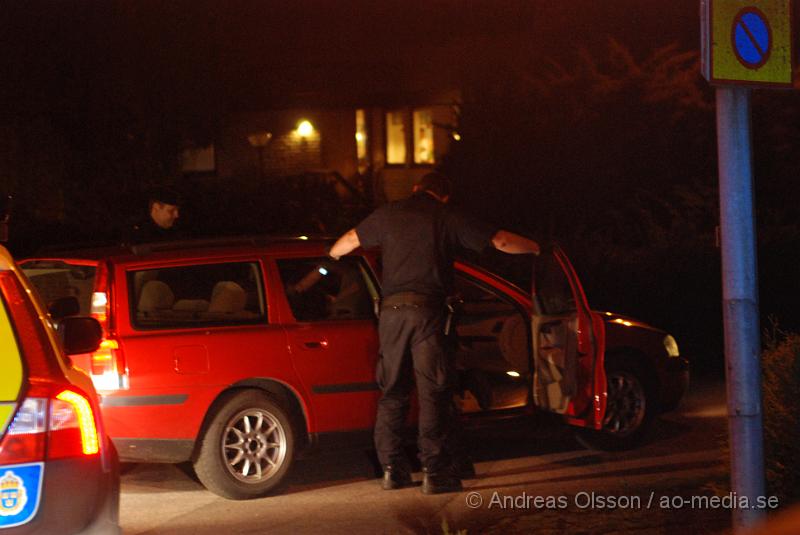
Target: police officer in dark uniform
pixel 163 212
pixel 418 237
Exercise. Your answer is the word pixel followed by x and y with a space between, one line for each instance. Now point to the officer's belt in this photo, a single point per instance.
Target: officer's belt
pixel 413 299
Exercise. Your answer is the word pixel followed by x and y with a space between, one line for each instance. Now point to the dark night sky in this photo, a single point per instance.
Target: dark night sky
pixel 94 68
pixel 194 49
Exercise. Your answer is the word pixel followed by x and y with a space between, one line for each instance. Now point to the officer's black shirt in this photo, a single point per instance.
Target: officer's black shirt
pixel 147 231
pixel 418 237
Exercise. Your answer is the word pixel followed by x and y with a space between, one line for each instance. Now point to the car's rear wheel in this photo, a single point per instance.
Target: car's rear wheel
pixel 248 447
pixel 630 408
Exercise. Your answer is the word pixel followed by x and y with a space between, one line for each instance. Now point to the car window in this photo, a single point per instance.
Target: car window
pixel 319 289
pixel 197 295
pixel 54 280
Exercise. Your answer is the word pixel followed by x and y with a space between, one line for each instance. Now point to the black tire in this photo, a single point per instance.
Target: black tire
pixel 248 447
pixel 630 410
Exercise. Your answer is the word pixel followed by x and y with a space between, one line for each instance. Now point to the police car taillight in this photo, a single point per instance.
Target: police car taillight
pixel 26 437
pixel 52 427
pixel 73 430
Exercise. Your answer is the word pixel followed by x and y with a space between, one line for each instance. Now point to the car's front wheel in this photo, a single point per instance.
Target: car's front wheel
pixel 630 408
pixel 248 447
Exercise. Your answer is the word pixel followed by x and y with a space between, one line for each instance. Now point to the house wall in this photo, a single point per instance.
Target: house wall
pixel 331 147
pixel 285 154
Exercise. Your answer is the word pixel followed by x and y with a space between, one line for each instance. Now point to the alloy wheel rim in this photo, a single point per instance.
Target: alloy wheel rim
pixel 253 445
pixel 626 404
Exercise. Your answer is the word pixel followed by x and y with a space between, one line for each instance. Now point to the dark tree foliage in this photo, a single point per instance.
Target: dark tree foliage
pixel 615 157
pixel 781 388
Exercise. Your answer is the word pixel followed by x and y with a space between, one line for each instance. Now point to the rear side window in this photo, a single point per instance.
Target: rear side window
pixel 319 289
pixel 197 295
pixel 56 279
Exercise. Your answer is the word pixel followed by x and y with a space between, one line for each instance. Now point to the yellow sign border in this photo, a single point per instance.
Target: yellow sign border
pixel 726 67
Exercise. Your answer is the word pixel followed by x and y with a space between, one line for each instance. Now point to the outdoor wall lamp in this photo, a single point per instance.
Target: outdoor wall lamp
pixel 304 128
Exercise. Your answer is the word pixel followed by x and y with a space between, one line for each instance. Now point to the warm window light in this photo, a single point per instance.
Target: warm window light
pixel 359 136
pixel 259 139
pixel 305 128
pixel 456 136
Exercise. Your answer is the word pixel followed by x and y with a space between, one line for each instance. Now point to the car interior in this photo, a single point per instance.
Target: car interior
pixel 197 294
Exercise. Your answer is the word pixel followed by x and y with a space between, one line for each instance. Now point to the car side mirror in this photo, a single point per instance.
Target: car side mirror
pixel 80 334
pixel 63 307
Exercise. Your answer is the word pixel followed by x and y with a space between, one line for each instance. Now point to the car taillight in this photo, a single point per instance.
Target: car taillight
pixel 106 366
pixel 99 309
pixel 107 370
pixel 54 427
pixel 72 426
pixel 25 438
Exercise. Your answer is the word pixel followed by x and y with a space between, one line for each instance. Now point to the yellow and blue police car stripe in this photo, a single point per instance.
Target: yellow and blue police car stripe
pixel 11 371
pixel 20 484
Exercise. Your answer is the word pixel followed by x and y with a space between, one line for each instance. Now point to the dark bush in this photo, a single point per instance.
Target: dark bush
pixel 781 376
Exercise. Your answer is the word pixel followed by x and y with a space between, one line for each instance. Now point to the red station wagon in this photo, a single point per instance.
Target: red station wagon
pixel 211 354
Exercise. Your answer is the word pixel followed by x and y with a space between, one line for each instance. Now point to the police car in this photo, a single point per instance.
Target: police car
pixel 58 471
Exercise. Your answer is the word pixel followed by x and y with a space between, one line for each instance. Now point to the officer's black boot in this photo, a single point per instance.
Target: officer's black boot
pixel 440 482
pixel 395 477
pixel 463 467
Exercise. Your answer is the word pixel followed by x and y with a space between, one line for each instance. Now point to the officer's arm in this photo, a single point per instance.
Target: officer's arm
pixel 511 243
pixel 347 243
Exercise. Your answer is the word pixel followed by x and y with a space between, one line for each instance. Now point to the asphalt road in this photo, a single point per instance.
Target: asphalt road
pixel 529 480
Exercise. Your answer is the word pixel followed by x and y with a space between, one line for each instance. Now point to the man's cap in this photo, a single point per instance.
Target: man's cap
pixel 436 182
pixel 164 195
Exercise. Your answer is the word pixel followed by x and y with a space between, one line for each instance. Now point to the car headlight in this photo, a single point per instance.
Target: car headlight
pixel 671 346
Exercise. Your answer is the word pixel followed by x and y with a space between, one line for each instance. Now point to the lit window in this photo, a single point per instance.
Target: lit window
pixel 396 137
pixel 423 137
pixel 198 160
pixel 361 140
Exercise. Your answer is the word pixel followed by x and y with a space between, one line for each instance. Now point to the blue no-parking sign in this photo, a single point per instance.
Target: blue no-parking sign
pixel 752 39
pixel 747 42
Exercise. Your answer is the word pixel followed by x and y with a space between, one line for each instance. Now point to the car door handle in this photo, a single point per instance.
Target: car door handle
pixel 316 344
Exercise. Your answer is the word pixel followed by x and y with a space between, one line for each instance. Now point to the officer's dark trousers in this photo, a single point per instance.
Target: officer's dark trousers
pixel 413 346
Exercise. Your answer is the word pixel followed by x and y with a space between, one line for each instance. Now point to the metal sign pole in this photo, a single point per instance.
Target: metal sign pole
pixel 740 300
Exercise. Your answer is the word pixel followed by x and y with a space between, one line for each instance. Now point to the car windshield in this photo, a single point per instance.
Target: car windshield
pixel 55 279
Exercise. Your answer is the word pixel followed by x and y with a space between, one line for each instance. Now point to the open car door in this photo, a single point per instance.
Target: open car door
pixel 568 344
